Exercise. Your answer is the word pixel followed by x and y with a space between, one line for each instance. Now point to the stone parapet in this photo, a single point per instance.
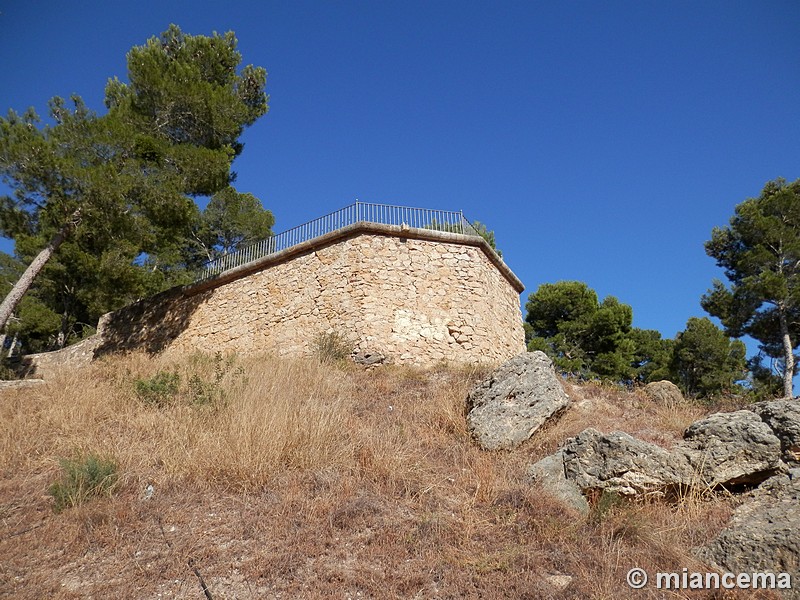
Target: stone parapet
pixel 413 296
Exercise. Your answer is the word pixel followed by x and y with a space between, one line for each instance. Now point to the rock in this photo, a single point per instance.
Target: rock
pixel 783 418
pixel 722 450
pixel 368 358
pixel 664 392
pixel 620 463
pixel 558 581
pixel 549 474
pixel 763 534
pixel 20 383
pixel 730 449
pixel 515 400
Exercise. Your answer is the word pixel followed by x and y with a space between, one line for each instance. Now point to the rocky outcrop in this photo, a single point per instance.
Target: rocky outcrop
pixel 620 463
pixel 515 400
pixel 736 450
pixel 731 449
pixel 783 418
pixel 664 392
pixel 763 535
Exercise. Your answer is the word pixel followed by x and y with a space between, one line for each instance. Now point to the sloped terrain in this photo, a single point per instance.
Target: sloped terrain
pixel 268 478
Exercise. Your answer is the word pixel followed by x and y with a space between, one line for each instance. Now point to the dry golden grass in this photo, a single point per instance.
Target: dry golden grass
pixel 295 479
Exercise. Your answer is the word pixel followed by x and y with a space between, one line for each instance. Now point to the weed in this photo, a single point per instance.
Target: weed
pixel 160 390
pixel 331 347
pixel 210 391
pixel 81 479
pixel 605 505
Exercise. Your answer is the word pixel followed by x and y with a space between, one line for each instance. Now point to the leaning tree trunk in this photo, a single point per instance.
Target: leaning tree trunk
pixel 788 355
pixel 23 285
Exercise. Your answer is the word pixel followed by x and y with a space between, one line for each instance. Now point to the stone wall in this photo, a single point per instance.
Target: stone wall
pixel 413 296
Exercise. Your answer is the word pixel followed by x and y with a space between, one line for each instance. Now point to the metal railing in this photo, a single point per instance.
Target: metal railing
pixel 383 214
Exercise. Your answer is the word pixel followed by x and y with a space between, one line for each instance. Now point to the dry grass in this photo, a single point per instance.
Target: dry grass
pixel 294 479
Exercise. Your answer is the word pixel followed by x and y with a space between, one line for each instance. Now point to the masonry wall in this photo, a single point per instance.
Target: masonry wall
pixel 414 301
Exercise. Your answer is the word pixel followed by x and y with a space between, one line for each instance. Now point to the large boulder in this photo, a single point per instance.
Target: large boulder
pixel 664 392
pixel 783 418
pixel 620 463
pixel 515 400
pixel 722 450
pixel 763 534
pixel 731 449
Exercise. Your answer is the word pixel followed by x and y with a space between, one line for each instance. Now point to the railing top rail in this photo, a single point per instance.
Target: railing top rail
pixel 371 212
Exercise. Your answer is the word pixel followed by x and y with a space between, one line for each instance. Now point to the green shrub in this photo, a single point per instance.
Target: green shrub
pixel 160 389
pixel 82 479
pixel 205 391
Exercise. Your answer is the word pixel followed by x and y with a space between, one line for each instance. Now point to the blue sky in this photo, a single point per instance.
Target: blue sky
pixel 601 141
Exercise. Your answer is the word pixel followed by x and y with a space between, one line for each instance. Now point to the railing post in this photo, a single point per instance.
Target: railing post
pixel 358 211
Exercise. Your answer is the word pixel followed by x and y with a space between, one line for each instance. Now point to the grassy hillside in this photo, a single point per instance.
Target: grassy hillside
pixel 271 478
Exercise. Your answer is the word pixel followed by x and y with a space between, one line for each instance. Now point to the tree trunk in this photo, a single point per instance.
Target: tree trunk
pixel 13 346
pixel 788 356
pixel 23 285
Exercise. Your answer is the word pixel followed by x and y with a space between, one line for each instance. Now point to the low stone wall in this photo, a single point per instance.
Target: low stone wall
pixel 414 296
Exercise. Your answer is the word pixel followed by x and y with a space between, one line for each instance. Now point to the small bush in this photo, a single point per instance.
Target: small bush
pixel 82 479
pixel 605 504
pixel 332 346
pixel 210 391
pixel 160 389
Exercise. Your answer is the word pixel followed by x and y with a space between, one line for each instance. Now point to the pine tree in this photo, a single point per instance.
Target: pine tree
pixel 760 252
pixel 120 186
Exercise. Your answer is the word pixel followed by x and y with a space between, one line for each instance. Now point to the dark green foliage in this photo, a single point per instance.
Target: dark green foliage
pixel 765 382
pixel 232 220
pixel 592 339
pixel 760 252
pixel 583 336
pixel 706 362
pixel 604 505
pixel 160 390
pixel 81 479
pixel 652 355
pixel 185 90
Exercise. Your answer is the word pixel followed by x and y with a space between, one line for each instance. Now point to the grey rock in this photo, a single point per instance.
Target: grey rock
pixel 620 463
pixel 730 449
pixel 368 358
pixel 722 450
pixel 515 400
pixel 549 474
pixel 763 534
pixel 783 418
pixel 664 392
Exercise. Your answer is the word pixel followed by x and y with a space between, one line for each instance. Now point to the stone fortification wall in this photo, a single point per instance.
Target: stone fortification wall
pixel 413 296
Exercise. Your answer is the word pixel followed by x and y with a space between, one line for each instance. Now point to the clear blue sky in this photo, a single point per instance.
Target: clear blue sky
pixel 601 141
